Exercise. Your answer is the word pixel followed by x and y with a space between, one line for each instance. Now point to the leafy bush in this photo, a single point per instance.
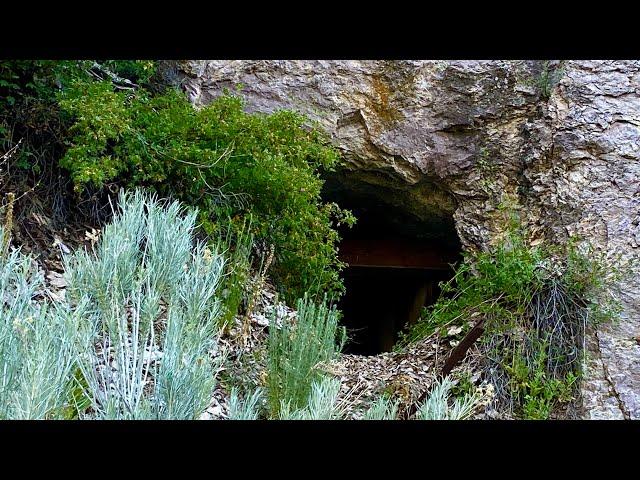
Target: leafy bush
pixel 295 349
pixel 534 388
pixel 28 104
pixel 228 163
pixel 152 297
pixel 101 123
pixel 25 80
pixel 509 272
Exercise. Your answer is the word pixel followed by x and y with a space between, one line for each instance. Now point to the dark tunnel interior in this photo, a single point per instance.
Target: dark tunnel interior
pixel 395 263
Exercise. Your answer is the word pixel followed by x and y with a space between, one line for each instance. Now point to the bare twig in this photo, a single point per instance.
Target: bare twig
pixel 119 82
pixel 9 153
pixel 8 223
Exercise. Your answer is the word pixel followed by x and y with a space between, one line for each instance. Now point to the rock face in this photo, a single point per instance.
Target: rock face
pixel 455 139
pixel 589 184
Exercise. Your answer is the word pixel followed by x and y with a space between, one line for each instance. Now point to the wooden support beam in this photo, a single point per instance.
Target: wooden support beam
pixel 395 253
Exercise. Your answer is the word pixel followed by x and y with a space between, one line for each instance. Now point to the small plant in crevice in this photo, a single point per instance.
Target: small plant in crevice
pixel 489 170
pixel 548 79
pixel 296 349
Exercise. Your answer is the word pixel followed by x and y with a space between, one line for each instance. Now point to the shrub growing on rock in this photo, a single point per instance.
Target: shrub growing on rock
pixel 104 124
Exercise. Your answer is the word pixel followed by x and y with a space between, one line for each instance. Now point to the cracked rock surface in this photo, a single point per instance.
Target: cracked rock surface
pixel 592 188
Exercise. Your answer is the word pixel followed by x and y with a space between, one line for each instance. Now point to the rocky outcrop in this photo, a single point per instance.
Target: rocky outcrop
pixel 417 128
pixel 589 184
pixel 455 139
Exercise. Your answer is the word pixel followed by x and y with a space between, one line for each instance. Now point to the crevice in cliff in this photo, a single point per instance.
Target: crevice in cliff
pixel 607 376
pixel 402 246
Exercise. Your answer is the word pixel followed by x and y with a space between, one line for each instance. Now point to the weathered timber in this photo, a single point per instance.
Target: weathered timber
pixel 395 253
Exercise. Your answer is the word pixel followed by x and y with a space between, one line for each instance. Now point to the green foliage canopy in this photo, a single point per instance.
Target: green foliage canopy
pixel 228 163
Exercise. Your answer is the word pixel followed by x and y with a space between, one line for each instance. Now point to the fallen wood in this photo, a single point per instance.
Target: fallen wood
pixel 458 353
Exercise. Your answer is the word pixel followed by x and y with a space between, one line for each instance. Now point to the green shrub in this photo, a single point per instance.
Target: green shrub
pixel 152 313
pixel 27 79
pixel 535 303
pixel 28 103
pixel 295 349
pixel 24 80
pixel 437 405
pixel 228 163
pixel 534 388
pixel 509 272
pixel 37 344
pixel 100 122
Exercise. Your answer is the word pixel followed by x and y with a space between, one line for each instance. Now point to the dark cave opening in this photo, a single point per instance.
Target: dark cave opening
pixel 381 301
pixel 395 258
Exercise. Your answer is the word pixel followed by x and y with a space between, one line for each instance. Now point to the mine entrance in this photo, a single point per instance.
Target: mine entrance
pixel 387 283
pixel 395 262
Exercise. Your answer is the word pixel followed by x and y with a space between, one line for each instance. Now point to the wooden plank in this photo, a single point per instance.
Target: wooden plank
pixel 395 253
pixel 460 350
